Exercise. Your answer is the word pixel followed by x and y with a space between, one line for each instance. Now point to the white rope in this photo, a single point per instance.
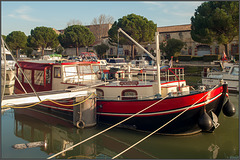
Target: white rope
pixel 162 125
pixel 107 129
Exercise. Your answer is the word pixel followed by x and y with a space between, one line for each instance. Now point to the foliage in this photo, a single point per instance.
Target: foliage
pixel 216 21
pixel 185 58
pixel 197 58
pixel 16 40
pixel 4 38
pixel 171 46
pixel 76 36
pixel 102 19
pixel 59 50
pixel 210 58
pixel 101 49
pixel 28 51
pixel 138 27
pixel 74 22
pixel 43 37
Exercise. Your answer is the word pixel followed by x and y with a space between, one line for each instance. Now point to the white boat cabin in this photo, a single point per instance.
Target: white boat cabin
pixel 53 75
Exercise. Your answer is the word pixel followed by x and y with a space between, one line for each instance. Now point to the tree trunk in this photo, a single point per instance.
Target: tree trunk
pixel 227 50
pixel 42 51
pixel 76 50
pixel 132 50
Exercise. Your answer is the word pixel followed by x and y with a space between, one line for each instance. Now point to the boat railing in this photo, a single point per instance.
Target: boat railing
pixel 168 74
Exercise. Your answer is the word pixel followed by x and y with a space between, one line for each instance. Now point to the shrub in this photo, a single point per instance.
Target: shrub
pixel 197 58
pixel 212 57
pixel 185 58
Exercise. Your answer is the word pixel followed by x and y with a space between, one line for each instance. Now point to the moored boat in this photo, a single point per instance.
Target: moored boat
pixel 165 106
pixel 122 99
pixel 231 76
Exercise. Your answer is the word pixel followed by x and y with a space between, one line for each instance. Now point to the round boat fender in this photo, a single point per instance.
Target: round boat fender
pixel 116 75
pixel 229 109
pixel 123 75
pixel 205 122
pixel 80 124
pixel 99 75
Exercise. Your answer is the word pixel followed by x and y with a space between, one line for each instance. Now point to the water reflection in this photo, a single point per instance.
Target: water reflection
pixel 33 125
pixel 27 125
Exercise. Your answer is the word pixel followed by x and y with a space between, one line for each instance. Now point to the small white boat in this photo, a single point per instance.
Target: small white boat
pixel 7 71
pixel 230 76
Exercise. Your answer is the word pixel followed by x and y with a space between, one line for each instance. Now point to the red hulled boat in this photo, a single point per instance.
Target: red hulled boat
pixel 120 100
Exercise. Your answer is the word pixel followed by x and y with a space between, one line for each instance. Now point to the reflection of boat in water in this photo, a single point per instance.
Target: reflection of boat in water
pixel 34 125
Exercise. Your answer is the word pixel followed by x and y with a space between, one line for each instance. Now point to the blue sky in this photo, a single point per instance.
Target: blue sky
pixel 26 15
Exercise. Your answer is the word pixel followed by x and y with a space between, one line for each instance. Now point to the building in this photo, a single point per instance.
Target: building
pixel 181 32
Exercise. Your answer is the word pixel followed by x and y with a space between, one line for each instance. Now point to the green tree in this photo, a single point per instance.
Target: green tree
pixel 28 51
pixel 76 36
pixel 16 40
pixel 59 50
pixel 43 37
pixel 4 38
pixel 138 27
pixel 216 21
pixel 101 49
pixel 171 46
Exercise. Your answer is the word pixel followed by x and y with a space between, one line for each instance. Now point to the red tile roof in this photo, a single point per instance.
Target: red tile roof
pixel 178 28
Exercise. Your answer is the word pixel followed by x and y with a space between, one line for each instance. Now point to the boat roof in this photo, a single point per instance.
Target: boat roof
pixel 40 64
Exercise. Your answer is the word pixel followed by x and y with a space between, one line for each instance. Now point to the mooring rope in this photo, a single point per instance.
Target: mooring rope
pixel 164 124
pixel 107 128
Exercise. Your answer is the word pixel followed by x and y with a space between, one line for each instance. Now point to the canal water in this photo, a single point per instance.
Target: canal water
pixel 22 126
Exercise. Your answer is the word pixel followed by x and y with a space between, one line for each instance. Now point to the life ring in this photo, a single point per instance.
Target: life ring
pixel 80 124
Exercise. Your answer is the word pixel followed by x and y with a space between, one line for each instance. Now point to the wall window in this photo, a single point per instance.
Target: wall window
pixel 190 51
pixel 111 51
pixel 217 50
pixel 234 49
pixel 57 72
pixel 126 52
pixel 129 94
pixel 167 36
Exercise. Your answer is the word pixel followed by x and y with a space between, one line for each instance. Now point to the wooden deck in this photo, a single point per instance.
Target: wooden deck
pixel 29 98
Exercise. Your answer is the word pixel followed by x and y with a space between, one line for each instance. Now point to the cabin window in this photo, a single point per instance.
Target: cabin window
pixel 95 68
pixel 39 77
pixel 28 74
pixel 85 69
pixel 48 76
pixel 70 71
pixel 235 71
pixel 19 75
pixel 57 72
pixel 100 93
pixel 129 94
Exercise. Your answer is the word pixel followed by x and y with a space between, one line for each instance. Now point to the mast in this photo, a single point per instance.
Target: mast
pixel 120 30
pixel 158 59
